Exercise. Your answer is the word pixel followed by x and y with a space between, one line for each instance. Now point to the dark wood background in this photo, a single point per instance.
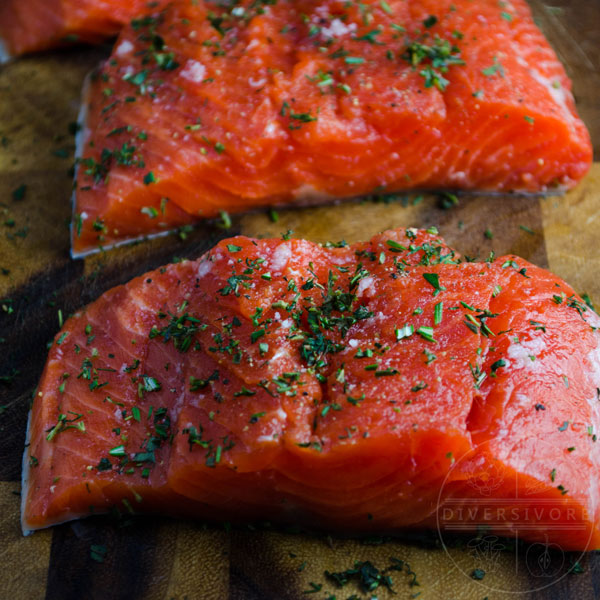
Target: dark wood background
pixel 155 558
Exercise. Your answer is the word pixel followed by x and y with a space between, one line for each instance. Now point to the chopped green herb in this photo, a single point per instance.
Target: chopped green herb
pixel 404 332
pixel 435 58
pixel 135 411
pixel 434 280
pixel 104 465
pixel 19 193
pixel 395 246
pixel 527 229
pixel 149 178
pixel 386 7
pixel 64 423
pixel 495 366
pixel 438 313
pixel 150 384
pixel 98 553
pixel 150 211
pixel 118 450
pixel 588 300
pixel 181 329
pixel 426 333
pixel 495 68
pixel 225 220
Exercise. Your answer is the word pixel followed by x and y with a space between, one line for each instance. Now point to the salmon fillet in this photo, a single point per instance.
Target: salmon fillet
pixel 203 108
pixel 33 25
pixel 366 388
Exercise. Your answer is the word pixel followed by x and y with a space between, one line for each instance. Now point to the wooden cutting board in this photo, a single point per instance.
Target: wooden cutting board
pixel 154 558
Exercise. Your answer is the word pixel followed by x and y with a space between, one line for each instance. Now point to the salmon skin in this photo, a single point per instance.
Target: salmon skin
pixel 205 108
pixel 367 387
pixel 33 25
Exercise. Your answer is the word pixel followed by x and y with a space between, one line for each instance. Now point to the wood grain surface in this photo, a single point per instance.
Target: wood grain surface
pixel 109 558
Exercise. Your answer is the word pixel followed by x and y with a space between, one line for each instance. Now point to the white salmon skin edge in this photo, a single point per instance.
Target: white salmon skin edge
pixel 25 477
pixel 82 119
pixel 4 54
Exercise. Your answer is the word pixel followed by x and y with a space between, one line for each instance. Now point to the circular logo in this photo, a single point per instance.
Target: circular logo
pixel 502 528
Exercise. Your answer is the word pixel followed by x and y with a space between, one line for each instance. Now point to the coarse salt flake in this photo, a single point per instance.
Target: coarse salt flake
pixel 194 71
pixel 125 47
pixel 337 28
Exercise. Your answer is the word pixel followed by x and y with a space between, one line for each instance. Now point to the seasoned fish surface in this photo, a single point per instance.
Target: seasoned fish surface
pixel 204 108
pixel 357 388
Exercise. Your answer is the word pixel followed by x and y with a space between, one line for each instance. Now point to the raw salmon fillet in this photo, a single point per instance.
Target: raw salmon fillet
pixel 33 25
pixel 205 108
pixel 366 387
